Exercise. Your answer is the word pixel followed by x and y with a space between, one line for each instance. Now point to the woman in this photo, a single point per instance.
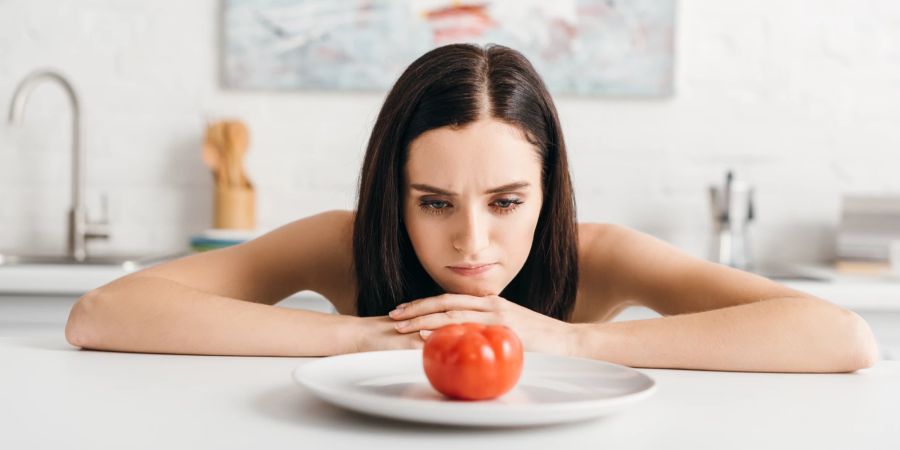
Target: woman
pixel 466 214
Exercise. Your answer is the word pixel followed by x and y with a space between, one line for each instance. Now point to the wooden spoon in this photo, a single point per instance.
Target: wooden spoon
pixel 212 152
pixel 237 139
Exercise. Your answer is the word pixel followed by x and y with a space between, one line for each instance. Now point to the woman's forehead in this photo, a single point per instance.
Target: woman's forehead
pixel 487 150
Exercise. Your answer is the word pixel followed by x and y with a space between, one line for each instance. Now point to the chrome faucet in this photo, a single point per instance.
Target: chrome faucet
pixel 80 229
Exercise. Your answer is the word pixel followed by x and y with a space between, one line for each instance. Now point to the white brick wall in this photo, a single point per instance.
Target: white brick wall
pixel 802 97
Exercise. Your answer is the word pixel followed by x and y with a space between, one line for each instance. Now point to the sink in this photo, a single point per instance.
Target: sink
pixel 128 262
pixel 61 275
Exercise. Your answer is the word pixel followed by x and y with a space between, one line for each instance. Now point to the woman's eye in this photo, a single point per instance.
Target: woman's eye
pixel 503 205
pixel 433 206
pixel 507 202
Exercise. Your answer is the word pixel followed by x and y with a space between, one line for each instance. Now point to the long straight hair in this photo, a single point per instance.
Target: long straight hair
pixel 449 86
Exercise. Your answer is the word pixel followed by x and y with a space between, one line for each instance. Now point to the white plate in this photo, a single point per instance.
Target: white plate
pixel 552 389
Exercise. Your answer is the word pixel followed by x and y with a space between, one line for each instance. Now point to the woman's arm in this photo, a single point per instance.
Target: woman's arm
pixel 156 315
pixel 717 318
pixel 220 302
pixel 775 335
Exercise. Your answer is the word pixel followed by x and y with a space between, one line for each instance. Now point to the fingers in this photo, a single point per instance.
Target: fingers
pixel 441 303
pixel 434 321
pixel 379 333
pixel 417 342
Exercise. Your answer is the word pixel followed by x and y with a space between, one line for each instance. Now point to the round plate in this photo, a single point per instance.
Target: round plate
pixel 552 389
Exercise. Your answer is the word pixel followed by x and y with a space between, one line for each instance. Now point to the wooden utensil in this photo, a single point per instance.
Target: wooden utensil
pixel 225 153
pixel 236 137
pixel 234 198
pixel 212 153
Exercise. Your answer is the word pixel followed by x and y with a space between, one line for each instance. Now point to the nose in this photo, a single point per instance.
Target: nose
pixel 472 234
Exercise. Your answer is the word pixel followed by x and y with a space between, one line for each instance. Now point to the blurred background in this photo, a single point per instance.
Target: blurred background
pixel 800 98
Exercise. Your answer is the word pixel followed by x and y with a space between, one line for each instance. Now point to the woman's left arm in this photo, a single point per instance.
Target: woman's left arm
pixel 715 317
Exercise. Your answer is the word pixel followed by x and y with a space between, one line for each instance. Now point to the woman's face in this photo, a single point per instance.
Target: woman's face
pixel 471 204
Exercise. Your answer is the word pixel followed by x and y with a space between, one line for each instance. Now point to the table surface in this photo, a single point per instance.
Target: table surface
pixel 55 396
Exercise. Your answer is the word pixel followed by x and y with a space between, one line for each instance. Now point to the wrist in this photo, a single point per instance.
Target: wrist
pixel 577 336
pixel 572 339
pixel 348 334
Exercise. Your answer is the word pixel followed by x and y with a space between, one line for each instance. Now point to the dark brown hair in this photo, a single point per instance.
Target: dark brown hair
pixel 449 86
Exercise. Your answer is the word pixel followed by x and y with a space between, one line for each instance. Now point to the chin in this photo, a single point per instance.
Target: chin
pixel 474 289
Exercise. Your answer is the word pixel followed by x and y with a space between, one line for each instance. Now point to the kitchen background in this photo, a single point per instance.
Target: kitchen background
pixel 801 98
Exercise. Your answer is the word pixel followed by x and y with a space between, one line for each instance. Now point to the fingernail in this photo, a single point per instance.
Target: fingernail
pixel 394 312
pixel 401 324
pixel 425 333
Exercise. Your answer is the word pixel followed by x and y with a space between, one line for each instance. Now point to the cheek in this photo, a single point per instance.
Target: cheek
pixel 424 238
pixel 518 236
pixel 517 240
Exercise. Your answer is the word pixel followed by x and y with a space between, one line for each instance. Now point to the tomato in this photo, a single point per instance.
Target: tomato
pixel 472 361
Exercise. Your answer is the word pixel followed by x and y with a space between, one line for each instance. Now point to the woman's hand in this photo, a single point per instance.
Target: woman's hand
pixel 538 333
pixel 370 334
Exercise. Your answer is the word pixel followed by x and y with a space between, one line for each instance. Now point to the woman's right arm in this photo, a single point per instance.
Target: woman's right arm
pixel 220 302
pixel 156 315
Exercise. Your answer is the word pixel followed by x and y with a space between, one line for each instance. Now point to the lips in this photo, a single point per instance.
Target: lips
pixel 472 269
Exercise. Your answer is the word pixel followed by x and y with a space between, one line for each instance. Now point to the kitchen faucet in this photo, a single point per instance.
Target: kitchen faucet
pixel 80 229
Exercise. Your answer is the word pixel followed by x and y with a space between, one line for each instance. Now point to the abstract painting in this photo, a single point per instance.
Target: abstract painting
pixel 581 47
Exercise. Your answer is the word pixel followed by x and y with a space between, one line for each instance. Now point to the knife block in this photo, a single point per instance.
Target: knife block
pixel 234 208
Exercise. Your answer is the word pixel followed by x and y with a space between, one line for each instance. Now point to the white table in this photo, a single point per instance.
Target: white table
pixel 54 396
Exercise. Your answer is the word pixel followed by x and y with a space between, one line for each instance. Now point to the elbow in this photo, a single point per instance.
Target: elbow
pixel 861 348
pixel 81 325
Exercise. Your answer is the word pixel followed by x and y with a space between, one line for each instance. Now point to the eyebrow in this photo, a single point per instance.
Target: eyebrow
pixel 505 188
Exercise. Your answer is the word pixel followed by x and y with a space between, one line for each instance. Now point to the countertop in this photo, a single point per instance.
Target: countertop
pixel 55 396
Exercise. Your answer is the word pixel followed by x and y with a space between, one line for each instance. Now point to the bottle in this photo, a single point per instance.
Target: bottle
pixel 732 212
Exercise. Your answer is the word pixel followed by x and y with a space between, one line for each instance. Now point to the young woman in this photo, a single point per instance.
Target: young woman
pixel 466 214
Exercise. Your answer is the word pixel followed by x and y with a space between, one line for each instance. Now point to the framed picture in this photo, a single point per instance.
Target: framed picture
pixel 582 47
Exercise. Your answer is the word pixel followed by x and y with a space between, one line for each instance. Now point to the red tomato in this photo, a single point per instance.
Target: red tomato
pixel 472 361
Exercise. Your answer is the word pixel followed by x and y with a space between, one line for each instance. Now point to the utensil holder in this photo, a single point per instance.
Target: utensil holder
pixel 235 208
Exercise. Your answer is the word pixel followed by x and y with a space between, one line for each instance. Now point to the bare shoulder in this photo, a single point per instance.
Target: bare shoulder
pixel 323 252
pixel 318 250
pixel 628 266
pixel 599 243
pixel 313 253
pixel 598 298
pixel 615 260
pixel 335 277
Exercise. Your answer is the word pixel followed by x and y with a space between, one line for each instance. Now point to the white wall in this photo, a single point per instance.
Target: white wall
pixel 801 97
